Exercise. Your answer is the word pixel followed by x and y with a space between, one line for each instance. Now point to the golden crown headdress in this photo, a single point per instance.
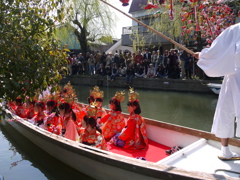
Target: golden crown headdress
pixel 132 95
pixel 119 96
pixel 70 95
pixel 92 109
pixel 96 93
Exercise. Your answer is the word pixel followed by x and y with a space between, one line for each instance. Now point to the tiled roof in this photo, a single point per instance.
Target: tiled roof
pixel 137 5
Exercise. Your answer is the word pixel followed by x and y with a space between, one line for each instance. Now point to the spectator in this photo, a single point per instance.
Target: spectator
pixel 161 71
pixel 138 58
pixel 140 71
pixel 101 70
pixel 129 74
pixel 159 57
pixel 97 57
pixel 188 66
pixel 173 60
pixel 154 61
pixel 91 63
pixel 115 72
pixel 121 59
pixel 174 72
pixel 147 59
pixel 81 61
pixel 128 58
pixel 116 60
pixel 165 59
pixel 183 57
pixel 122 70
pixel 151 73
pixel 103 59
pixel 109 59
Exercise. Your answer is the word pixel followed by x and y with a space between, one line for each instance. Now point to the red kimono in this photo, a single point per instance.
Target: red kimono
pixel 54 124
pixel 135 134
pixel 38 119
pixel 21 111
pixel 114 122
pixel 93 138
pixel 70 127
pixel 30 113
pixel 101 113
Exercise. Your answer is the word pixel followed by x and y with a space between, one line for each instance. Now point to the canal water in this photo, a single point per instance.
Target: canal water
pixel 21 159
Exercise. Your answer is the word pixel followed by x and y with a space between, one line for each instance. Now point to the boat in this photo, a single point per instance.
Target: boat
pixel 197 159
pixel 215 87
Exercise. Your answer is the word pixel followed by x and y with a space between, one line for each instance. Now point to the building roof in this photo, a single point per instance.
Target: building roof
pixel 137 5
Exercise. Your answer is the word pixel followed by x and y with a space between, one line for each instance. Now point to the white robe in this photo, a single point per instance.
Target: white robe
pixel 223 59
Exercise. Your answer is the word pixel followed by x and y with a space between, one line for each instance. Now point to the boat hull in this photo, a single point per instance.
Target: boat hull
pixel 215 87
pixel 101 164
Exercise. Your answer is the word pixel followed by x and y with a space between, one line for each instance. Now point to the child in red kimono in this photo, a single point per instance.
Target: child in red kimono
pixel 98 97
pixel 134 135
pixel 38 119
pixel 53 123
pixel 20 110
pixel 68 117
pixel 114 121
pixel 30 109
pixel 91 135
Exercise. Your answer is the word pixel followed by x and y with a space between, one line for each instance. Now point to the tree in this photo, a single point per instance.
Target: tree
pixel 92 21
pixel 30 57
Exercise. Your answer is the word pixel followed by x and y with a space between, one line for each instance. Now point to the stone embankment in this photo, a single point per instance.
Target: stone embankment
pixel 194 86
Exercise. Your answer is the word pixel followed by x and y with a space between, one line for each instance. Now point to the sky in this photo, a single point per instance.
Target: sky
pixel 123 21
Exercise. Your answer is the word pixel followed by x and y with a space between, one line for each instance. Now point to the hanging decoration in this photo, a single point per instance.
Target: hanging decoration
pixel 124 2
pixel 171 10
pixel 151 5
pixel 210 17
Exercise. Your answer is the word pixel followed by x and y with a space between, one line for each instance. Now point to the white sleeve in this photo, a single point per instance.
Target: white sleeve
pixel 219 59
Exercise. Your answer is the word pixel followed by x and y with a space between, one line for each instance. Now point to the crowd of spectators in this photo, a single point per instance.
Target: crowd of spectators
pixel 171 64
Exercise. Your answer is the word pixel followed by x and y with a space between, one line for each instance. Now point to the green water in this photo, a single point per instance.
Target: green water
pixel 21 159
pixel 186 109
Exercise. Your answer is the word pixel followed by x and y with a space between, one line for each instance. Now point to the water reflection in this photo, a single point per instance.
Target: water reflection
pixel 186 109
pixel 21 159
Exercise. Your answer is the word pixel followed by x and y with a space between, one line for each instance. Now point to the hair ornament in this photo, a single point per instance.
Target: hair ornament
pixel 69 94
pixel 96 93
pixel 132 95
pixel 92 109
pixel 119 96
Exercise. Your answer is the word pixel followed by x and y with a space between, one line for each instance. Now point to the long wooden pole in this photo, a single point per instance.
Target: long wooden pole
pixel 151 29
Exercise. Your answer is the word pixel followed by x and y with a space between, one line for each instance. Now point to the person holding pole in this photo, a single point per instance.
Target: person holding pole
pixel 223 59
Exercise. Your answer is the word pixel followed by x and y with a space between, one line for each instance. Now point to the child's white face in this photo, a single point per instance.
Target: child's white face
pixel 112 106
pixel 131 109
pixel 61 112
pixel 38 109
pixel 99 104
pixel 49 108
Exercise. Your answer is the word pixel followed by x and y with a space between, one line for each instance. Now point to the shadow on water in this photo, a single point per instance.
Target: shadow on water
pixel 27 161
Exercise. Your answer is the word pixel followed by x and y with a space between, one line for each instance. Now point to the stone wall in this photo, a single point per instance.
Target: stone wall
pixel 194 86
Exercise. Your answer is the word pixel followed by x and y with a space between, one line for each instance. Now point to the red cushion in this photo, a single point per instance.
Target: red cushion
pixel 153 153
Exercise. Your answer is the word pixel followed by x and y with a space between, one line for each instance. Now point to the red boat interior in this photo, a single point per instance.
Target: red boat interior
pixel 154 153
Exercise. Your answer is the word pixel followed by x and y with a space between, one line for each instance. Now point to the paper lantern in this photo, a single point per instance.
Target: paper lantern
pixel 124 2
pixel 150 6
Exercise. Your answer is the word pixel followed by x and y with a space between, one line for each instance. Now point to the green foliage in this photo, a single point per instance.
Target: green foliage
pixel 30 57
pixel 92 21
pixel 65 34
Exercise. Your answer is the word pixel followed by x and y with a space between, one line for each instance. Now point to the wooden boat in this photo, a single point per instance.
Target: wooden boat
pixel 215 87
pixel 196 160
